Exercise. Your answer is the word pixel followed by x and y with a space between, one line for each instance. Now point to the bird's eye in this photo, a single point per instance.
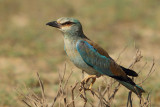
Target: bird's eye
pixel 67 23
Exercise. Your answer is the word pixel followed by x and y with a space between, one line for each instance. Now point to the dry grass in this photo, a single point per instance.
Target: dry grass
pixel 69 94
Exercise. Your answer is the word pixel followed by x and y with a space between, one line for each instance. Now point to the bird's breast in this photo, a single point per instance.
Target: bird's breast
pixel 73 54
pixel 75 57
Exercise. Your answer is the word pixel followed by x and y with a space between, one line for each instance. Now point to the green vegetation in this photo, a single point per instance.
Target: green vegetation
pixel 27 45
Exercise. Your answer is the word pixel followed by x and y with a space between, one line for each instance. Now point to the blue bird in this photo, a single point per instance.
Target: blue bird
pixel 90 57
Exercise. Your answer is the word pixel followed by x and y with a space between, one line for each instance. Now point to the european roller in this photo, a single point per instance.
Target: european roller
pixel 90 57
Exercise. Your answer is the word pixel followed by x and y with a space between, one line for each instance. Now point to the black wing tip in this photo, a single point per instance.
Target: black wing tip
pixel 129 72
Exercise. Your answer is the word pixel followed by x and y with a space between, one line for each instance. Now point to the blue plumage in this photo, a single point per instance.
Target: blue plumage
pixel 90 55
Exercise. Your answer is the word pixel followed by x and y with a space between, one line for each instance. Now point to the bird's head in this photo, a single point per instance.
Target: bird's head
pixel 67 25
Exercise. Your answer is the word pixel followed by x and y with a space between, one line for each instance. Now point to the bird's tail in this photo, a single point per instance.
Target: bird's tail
pixel 134 88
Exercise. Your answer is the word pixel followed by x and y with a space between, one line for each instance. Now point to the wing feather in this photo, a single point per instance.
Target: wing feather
pixel 97 58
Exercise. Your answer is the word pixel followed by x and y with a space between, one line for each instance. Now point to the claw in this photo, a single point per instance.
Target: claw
pixel 93 80
pixel 86 80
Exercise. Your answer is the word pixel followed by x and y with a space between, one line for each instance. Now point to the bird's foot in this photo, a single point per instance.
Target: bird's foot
pixel 85 81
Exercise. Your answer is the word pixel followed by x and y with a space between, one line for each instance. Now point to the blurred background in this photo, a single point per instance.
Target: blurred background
pixel 27 45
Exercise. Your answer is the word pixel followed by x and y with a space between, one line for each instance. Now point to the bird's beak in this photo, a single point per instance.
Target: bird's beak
pixel 53 24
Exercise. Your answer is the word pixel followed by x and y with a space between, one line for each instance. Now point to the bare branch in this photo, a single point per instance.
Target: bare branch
pixel 42 87
pixel 73 93
pixel 149 73
pixel 121 52
pixel 137 58
pixel 129 101
pixel 114 92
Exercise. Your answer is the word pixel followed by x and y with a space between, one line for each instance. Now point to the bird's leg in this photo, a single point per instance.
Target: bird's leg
pixel 92 82
pixel 85 81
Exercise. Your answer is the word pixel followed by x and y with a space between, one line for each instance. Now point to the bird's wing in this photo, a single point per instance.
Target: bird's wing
pixel 99 59
pixel 104 53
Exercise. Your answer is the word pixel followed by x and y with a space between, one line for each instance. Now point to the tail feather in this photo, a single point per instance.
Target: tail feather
pixel 134 88
pixel 140 89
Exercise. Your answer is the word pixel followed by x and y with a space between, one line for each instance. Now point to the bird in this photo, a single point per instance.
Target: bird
pixel 90 57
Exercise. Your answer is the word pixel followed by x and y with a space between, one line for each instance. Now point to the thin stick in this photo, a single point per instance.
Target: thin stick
pixel 115 91
pixel 129 101
pixel 42 87
pixel 73 93
pixel 67 80
pixel 121 52
pixel 150 72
